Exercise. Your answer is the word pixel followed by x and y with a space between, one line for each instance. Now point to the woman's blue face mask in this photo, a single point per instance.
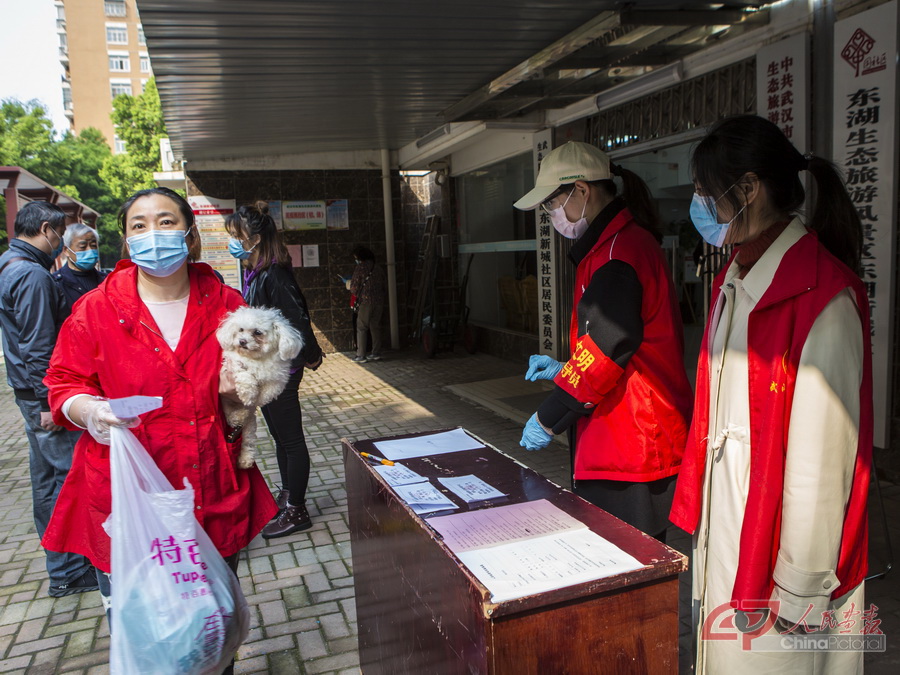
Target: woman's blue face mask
pixel 237 250
pixel 705 216
pixel 159 252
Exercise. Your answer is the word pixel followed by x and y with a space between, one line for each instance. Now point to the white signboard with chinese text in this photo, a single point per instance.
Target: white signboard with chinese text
pixel 548 340
pixel 303 215
pixel 782 87
pixel 209 217
pixel 865 147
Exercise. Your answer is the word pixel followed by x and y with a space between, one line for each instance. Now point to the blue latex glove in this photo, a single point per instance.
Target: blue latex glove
pixel 542 367
pixel 533 436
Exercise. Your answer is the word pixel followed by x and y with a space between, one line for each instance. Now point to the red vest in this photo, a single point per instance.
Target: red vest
pixel 639 423
pixel 807 279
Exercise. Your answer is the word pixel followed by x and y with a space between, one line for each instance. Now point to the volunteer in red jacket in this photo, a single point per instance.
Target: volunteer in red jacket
pixel 150 329
pixel 776 471
pixel 624 389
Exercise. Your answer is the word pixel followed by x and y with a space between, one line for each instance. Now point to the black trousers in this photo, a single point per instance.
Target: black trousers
pixel 285 422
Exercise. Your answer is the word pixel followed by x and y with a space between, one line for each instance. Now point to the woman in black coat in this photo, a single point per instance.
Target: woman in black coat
pixel 269 282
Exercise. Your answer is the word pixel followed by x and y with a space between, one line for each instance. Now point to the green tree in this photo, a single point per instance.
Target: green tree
pixel 139 122
pixel 72 163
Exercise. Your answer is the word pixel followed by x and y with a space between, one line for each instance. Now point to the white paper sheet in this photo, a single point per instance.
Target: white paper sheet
pixel 546 563
pixel 424 498
pixel 399 475
pixel 503 525
pixel 432 444
pixel 132 406
pixel 471 488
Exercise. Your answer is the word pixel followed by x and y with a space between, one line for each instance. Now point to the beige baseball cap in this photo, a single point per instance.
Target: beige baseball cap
pixel 564 165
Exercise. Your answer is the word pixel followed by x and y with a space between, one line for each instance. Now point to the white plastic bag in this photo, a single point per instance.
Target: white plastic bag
pixel 176 606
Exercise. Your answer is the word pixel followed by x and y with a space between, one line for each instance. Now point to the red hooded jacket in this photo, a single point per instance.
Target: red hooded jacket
pixel 112 347
pixel 807 279
pixel 637 429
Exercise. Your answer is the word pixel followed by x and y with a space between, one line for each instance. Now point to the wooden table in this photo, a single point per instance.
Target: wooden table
pixel 421 611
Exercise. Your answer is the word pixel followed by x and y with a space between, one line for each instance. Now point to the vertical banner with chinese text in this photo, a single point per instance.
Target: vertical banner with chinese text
pixel 865 147
pixel 209 217
pixel 546 260
pixel 782 87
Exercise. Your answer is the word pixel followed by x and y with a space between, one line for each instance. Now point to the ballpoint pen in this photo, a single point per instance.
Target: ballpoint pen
pixel 386 462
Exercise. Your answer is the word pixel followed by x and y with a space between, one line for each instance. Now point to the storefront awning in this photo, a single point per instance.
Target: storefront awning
pixel 274 77
pixel 18 187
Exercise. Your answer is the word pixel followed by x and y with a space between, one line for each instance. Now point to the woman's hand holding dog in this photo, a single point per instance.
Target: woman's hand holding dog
pixel 227 389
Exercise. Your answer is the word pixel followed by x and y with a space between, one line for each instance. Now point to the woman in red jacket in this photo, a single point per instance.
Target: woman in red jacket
pixel 775 476
pixel 150 329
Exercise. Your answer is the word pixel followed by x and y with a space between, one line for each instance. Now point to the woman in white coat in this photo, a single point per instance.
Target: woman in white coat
pixel 776 471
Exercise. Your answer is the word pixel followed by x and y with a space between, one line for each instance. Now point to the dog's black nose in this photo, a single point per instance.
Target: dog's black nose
pixel 242 343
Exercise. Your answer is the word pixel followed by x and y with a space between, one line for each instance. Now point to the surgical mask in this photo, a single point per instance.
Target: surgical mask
pixel 86 259
pixel 56 251
pixel 158 252
pixel 705 216
pixel 563 225
pixel 237 250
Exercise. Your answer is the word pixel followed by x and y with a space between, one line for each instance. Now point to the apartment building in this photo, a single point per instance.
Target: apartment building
pixel 104 54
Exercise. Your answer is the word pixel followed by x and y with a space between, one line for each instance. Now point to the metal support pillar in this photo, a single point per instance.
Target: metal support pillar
pixel 390 265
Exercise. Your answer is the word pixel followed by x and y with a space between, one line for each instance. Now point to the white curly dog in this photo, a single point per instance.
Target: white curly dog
pixel 258 345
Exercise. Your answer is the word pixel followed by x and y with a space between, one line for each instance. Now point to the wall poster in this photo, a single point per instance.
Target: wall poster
pixel 303 215
pixel 209 217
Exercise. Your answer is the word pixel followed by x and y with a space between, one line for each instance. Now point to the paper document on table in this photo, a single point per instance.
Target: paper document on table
pixel 471 488
pixel 432 444
pixel 132 406
pixel 503 525
pixel 399 475
pixel 424 498
pixel 546 563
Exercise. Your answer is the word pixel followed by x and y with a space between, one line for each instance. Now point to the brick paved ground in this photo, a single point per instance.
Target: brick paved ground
pixel 300 588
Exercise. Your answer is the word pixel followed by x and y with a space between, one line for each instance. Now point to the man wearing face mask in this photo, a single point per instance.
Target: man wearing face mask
pixel 32 309
pixel 80 274
pixel 624 392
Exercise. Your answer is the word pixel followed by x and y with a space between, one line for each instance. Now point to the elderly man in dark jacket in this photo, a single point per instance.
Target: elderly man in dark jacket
pixel 32 309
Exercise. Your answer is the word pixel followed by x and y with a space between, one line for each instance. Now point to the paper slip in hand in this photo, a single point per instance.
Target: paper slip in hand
pixel 424 498
pixel 399 475
pixel 132 406
pixel 471 488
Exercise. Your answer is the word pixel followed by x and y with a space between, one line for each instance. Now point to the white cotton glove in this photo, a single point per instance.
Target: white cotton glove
pixel 98 417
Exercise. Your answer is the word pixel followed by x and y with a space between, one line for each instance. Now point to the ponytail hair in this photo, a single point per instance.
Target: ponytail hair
pixel 745 144
pixel 635 193
pixel 834 217
pixel 253 220
pixel 639 200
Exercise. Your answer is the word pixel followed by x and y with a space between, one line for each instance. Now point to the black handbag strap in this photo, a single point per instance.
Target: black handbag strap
pixel 10 260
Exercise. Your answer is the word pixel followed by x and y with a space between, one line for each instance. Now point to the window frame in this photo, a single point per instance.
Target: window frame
pixel 116 8
pixel 126 60
pixel 121 83
pixel 121 29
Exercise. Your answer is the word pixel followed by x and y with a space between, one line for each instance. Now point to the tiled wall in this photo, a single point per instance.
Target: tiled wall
pixel 414 198
pixel 329 301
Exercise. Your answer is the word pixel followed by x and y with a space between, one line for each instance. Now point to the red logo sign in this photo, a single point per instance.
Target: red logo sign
pixel 856 53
